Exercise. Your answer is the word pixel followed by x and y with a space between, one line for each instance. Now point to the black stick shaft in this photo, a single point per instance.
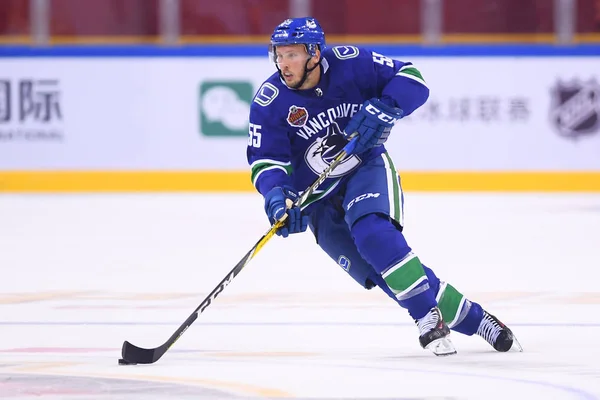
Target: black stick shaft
pixel 138 355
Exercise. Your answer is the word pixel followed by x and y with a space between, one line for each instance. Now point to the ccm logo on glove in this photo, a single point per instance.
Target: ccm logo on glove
pixel 371 109
pixel 373 123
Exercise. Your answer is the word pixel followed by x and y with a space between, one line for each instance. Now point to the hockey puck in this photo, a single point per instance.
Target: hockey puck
pixel 122 361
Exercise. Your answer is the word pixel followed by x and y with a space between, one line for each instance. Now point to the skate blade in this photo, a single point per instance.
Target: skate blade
pixel 441 347
pixel 516 346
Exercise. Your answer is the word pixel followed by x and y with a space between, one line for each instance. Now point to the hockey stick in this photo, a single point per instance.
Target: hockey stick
pixel 136 355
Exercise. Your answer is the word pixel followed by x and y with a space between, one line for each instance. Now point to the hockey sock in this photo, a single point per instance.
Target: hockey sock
pixel 383 246
pixel 460 314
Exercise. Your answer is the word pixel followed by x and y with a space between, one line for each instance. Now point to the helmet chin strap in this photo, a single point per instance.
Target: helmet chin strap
pixel 304 76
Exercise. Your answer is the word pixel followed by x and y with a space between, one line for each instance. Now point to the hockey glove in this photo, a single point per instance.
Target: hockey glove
pixel 275 207
pixel 373 123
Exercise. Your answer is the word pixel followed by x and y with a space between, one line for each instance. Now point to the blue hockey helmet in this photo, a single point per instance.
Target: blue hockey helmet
pixel 306 31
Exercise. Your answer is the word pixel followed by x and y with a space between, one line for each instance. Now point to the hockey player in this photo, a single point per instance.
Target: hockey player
pixel 300 119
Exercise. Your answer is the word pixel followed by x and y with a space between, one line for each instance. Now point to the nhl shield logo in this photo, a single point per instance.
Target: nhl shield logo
pixel 575 108
pixel 297 116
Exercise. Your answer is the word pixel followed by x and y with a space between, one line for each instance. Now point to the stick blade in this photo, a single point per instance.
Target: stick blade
pixel 138 355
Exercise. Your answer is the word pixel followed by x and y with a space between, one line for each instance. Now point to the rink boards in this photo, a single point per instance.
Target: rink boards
pixel 505 118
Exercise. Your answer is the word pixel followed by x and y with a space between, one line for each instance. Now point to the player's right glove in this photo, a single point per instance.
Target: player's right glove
pixel 373 123
pixel 276 207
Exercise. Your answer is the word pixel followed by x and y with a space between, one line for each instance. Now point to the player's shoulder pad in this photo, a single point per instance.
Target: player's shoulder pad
pixel 349 53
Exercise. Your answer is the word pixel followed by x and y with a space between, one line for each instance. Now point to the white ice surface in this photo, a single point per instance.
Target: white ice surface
pixel 81 274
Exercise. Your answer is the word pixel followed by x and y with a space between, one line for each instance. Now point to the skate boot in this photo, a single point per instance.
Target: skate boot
pixel 497 334
pixel 434 333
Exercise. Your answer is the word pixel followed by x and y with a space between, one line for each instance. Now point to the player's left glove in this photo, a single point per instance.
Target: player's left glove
pixel 276 207
pixel 373 123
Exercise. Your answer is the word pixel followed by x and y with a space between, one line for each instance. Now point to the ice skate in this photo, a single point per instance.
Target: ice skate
pixel 497 334
pixel 434 333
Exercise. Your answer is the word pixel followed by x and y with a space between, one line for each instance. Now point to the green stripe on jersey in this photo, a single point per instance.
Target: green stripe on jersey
pixel 395 195
pixel 411 72
pixel 260 167
pixel 314 197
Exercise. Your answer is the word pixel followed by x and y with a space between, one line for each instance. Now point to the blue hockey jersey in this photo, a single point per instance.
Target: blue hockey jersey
pixel 295 134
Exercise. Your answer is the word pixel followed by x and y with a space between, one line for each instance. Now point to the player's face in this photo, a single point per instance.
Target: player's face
pixel 292 62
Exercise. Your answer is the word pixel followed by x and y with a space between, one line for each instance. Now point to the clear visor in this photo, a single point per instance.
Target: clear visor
pixel 288 55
